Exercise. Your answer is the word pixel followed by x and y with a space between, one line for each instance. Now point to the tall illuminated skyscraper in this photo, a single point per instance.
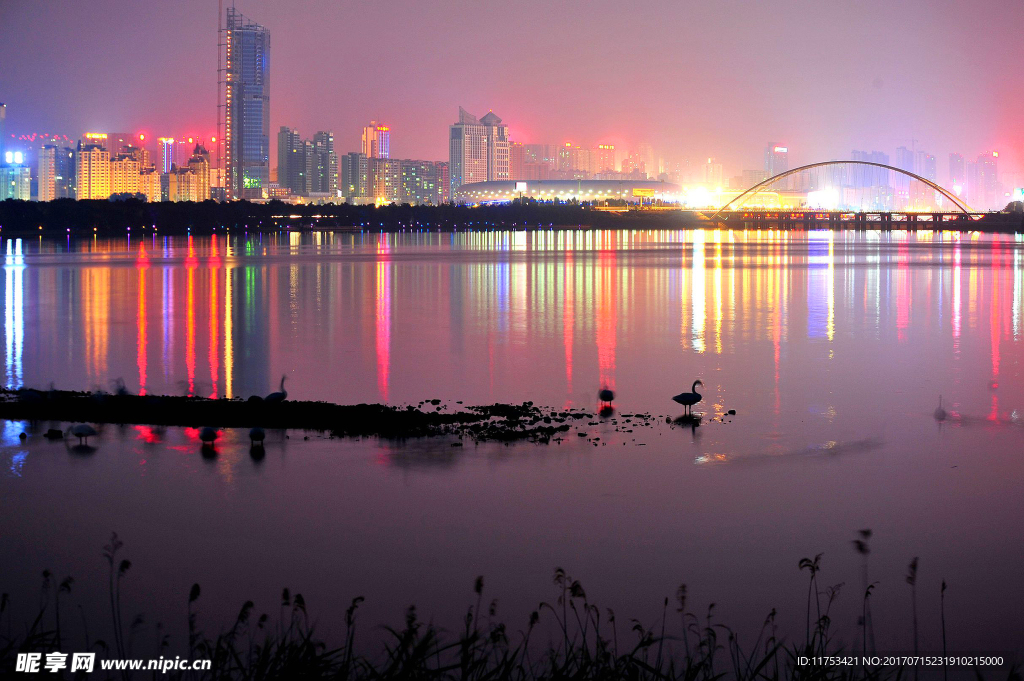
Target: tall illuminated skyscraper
pixel 478 150
pixel 377 140
pixel 246 107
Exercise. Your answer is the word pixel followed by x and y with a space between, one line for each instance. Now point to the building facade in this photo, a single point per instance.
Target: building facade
pixel 376 142
pixel 478 150
pixel 93 172
pixel 246 107
pixel 46 175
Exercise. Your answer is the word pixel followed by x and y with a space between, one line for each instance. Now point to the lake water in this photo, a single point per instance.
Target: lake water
pixel 832 347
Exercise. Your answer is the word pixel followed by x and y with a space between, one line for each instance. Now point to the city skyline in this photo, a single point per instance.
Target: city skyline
pixel 885 107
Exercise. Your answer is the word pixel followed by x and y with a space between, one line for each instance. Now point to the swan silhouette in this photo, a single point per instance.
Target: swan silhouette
pixel 256 437
pixel 691 398
pixel 83 432
pixel 278 397
pixel 605 395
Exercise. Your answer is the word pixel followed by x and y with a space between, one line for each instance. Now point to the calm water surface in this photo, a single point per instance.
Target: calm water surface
pixel 833 348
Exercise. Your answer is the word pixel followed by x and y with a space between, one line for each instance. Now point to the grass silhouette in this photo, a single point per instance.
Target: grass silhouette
pixel 589 644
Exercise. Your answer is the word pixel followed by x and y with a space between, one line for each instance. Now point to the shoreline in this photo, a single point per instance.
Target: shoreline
pixel 66 217
pixel 494 422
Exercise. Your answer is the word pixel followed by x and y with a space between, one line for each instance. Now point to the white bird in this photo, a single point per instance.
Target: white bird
pixel 940 413
pixel 279 396
pixel 83 431
pixel 691 398
pixel 256 436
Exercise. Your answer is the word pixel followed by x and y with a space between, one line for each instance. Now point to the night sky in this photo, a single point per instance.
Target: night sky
pixel 694 78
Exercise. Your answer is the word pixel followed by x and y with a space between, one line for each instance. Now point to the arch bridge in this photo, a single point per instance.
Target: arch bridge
pixel 964 208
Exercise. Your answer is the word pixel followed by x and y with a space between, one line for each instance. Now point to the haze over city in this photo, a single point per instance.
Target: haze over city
pixel 693 79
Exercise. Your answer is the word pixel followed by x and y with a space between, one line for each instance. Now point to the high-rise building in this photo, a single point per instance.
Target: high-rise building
pixel 385 180
pixel 605 158
pixel 444 182
pixel 714 174
pixel 47 173
pixel 3 136
pixel 149 184
pixel 985 193
pixel 66 178
pixel 15 182
pixel 957 173
pixel 182 185
pixel 291 160
pixel 199 165
pixel 166 150
pixel 776 159
pixel 377 140
pixel 478 150
pixel 124 174
pixel 15 176
pixel 117 141
pixel 516 161
pixel 246 107
pixel 355 176
pixel 324 179
pixel 93 172
pixel 419 182
pixel 648 165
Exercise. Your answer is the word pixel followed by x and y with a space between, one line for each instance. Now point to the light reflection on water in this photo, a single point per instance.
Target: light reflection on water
pixel 832 346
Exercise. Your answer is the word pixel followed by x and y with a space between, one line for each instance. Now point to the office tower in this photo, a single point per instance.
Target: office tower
pixel 291 161
pixel 124 175
pixel 354 175
pixel 149 184
pixel 957 173
pixel 199 165
pixel 93 172
pixel 478 150
pixel 377 140
pixel 3 135
pixel 605 158
pixel 246 107
pixel 66 173
pixel 47 173
pixel 324 180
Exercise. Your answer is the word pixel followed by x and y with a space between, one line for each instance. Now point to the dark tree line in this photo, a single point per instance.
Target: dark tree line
pixel 116 216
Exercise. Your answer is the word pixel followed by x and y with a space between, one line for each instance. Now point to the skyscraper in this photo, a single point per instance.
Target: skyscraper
pixel 957 173
pixel 377 140
pixel 199 164
pixel 291 161
pixel 325 178
pixel 246 107
pixel 47 174
pixel 3 137
pixel 478 150
pixel 93 172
